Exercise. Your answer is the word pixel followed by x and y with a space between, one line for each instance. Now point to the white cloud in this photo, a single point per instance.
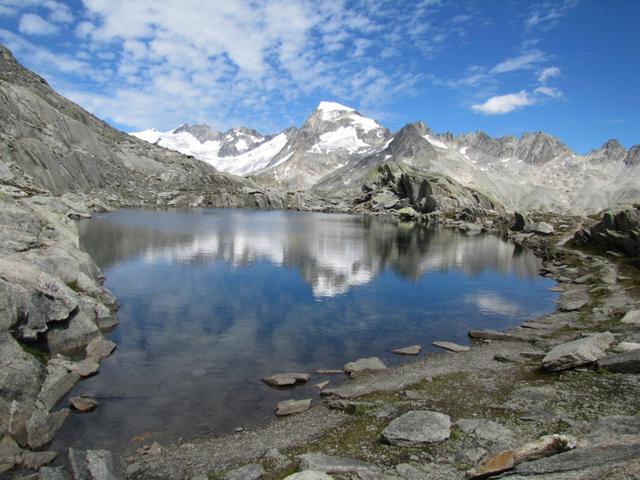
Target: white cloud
pixel 59 13
pixel 502 104
pixel 548 73
pixel 548 91
pixel 548 14
pixel 525 61
pixel 32 24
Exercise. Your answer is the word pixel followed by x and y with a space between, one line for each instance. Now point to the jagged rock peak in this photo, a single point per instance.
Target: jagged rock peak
pixel 410 143
pixel 633 156
pixel 610 150
pixel 536 148
pixel 201 131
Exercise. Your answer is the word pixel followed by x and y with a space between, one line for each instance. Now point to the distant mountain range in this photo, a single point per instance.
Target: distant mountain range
pixel 336 148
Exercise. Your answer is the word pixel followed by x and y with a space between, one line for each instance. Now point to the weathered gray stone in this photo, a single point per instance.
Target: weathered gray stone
pixel 539 227
pixel 57 384
pixel 417 428
pixel 286 379
pixel 503 461
pixel 103 465
pixel 35 460
pixel 253 471
pixel 573 300
pixel 72 336
pixel 628 362
pixel 410 472
pixel 410 350
pixel 486 431
pixel 289 407
pixel 309 475
pixel 520 220
pixel 53 473
pixel 624 347
pixel 453 347
pixel 363 365
pixel 84 368
pixel 334 465
pixel 582 351
pixel 100 348
pixel 632 317
pixel 43 426
pixel 10 453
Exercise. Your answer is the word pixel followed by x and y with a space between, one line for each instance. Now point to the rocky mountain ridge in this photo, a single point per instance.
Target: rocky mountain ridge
pixel 336 147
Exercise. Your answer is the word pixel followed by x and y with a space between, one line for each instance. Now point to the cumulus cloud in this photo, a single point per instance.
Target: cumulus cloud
pixel 502 104
pixel 548 73
pixel 32 24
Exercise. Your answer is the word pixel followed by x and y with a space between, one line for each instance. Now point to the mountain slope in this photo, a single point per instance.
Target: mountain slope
pixel 64 148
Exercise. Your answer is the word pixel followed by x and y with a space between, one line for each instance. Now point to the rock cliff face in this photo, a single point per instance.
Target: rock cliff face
pixel 395 185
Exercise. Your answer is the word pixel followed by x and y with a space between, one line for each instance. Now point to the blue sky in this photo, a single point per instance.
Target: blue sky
pixel 568 67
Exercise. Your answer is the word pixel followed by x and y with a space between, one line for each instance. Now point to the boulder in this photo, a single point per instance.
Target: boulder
pixel 417 428
pixel 410 350
pixel 53 473
pixel 363 365
pixel 57 384
pixel 289 407
pixel 542 228
pixel 72 336
pixel 582 351
pixel 504 461
pixel 253 471
pixel 35 460
pixel 628 362
pixel 286 379
pixel 632 318
pixel 94 465
pixel 453 347
pixel 624 347
pixel 407 213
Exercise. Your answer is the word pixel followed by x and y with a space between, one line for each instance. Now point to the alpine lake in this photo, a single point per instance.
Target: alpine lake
pixel 213 300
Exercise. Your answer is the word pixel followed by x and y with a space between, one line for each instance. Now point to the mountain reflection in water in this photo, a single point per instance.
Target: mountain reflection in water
pixel 239 295
pixel 332 252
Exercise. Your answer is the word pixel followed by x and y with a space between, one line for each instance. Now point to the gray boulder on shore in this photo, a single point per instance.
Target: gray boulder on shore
pixel 583 351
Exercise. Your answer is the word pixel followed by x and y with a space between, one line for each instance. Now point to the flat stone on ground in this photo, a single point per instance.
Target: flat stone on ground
pixel 410 350
pixel 334 465
pixel 309 475
pixel 623 347
pixel 286 379
pixel 582 351
pixel 289 407
pixel 453 347
pixel 418 428
pixel 364 365
pixel 253 471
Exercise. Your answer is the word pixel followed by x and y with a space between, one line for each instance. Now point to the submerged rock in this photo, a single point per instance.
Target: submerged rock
pixel 418 428
pixel 286 379
pixel 100 348
pixel 453 347
pixel 410 350
pixel 83 404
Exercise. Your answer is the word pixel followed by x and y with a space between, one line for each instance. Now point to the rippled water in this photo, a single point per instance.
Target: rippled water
pixel 213 300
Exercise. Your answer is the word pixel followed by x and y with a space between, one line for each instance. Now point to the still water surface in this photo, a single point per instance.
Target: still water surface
pixel 213 300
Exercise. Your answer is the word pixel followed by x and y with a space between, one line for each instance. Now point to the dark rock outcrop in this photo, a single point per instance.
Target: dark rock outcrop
pixel 618 230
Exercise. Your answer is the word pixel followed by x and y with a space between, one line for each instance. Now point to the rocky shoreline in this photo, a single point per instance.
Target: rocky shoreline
pixel 489 411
